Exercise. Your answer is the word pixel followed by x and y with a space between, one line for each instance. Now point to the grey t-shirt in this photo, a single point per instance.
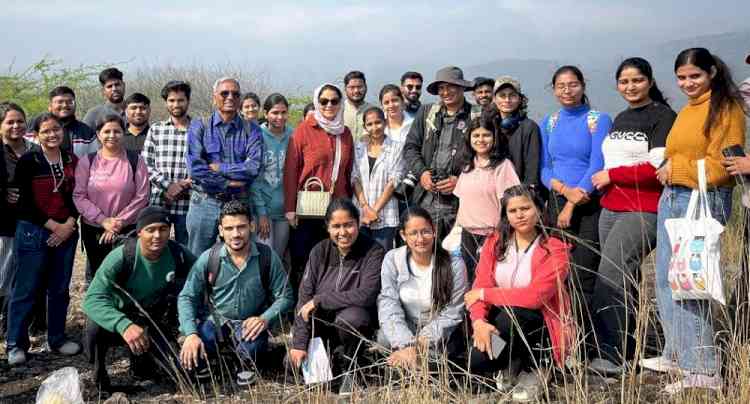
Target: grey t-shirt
pixel 99 111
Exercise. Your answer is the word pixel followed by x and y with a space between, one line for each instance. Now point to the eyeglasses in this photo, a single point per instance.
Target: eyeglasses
pixel 425 233
pixel 226 93
pixel 411 87
pixel 574 85
pixel 325 101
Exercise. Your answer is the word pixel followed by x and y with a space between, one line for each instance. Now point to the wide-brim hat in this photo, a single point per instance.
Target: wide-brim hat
pixel 503 81
pixel 451 75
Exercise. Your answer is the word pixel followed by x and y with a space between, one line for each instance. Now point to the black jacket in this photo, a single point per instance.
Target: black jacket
pixel 419 148
pixel 525 146
pixel 337 282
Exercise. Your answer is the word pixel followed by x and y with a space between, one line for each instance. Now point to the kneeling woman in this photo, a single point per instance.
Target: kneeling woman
pixel 339 289
pixel 520 289
pixel 421 301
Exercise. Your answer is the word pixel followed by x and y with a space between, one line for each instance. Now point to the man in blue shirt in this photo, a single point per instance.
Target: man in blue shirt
pixel 224 157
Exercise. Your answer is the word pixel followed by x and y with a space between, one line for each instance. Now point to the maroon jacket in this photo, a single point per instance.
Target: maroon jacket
pixel 337 282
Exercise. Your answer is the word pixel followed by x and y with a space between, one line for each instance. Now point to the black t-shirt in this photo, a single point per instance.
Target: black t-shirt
pixel 635 132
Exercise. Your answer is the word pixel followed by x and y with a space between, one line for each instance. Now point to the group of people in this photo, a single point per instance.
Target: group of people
pixel 441 222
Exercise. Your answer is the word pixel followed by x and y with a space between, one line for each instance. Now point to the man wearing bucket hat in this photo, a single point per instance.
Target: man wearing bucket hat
pixel 435 144
pixel 745 87
pixel 134 290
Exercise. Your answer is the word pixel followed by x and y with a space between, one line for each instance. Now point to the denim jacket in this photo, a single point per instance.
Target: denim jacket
pixel 393 321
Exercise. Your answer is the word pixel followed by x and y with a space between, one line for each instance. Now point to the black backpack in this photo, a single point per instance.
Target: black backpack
pixel 264 266
pixel 132 159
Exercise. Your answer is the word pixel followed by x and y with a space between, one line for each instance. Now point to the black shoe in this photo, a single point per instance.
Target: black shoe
pixel 605 367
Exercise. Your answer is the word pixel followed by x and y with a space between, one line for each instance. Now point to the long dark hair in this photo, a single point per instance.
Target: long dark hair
pixel 579 75
pixel 505 230
pixel 344 204
pixel 724 92
pixel 489 120
pixel 442 275
pixel 643 66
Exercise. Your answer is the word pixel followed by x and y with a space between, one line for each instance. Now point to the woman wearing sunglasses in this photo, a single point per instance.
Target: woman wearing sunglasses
pixel 321 147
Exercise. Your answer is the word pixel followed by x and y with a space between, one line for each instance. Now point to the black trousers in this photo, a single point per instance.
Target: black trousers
pixel 302 239
pixel 340 331
pixel 95 252
pixel 161 353
pixel 470 245
pixel 521 329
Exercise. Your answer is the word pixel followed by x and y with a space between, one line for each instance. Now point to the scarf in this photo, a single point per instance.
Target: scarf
pixel 335 126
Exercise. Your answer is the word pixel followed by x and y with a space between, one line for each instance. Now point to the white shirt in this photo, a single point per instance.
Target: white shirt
pixel 515 270
pixel 416 293
pixel 399 135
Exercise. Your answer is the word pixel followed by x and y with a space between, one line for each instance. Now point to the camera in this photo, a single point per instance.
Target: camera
pixel 438 175
pixel 406 186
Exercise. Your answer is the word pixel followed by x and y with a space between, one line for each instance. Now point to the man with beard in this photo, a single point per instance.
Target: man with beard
pixel 435 144
pixel 234 293
pixel 78 138
pixel 411 88
pixel 164 152
pixel 113 90
pixel 132 299
pixel 138 113
pixel 355 87
pixel 483 87
pixel 224 158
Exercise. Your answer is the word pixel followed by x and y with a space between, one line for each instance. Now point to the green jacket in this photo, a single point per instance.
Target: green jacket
pixel 237 293
pixel 109 307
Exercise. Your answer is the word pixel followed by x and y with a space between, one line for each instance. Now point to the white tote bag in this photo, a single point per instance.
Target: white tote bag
pixel 695 269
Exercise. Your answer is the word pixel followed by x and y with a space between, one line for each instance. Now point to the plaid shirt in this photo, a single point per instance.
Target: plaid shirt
pixel 164 151
pixel 388 168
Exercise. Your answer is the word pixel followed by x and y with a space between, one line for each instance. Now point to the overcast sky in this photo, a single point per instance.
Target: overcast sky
pixel 291 38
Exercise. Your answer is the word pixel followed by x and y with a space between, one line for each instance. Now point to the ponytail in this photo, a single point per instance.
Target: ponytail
pixel 724 92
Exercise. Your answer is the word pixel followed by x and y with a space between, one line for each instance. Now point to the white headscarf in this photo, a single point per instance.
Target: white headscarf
pixel 335 126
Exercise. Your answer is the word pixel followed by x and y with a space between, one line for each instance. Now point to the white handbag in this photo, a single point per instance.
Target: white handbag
pixel 313 204
pixel 695 268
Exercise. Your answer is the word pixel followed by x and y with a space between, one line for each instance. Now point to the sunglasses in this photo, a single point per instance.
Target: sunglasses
pixel 325 101
pixel 226 93
pixel 413 87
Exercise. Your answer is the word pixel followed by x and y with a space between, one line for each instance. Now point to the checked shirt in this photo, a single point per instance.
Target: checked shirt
pixel 164 151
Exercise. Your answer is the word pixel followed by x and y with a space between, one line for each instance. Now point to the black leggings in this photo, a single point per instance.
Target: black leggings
pixel 95 252
pixel 521 329
pixel 340 330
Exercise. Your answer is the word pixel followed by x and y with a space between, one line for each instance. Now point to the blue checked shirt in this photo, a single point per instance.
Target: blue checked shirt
pixel 237 146
pixel 164 152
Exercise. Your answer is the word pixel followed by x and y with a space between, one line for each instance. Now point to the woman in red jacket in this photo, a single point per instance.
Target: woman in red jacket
pixel 520 289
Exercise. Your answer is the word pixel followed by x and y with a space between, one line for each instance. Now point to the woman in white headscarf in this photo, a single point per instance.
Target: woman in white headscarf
pixel 321 147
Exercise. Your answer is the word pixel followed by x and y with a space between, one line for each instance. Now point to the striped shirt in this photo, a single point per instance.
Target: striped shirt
pixel 388 168
pixel 164 152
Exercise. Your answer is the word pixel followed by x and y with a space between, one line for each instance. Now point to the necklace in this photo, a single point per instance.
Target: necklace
pixel 53 168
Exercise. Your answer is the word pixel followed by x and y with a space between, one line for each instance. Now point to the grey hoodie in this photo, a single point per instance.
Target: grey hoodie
pixel 394 325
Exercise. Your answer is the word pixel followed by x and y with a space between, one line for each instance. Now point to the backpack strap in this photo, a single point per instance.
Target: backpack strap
pixel 128 260
pixel 264 266
pixel 91 157
pixel 212 268
pixel 429 120
pixel 592 120
pixel 552 121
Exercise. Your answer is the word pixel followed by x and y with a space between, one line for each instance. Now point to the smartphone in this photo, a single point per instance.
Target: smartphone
pixel 498 344
pixel 733 151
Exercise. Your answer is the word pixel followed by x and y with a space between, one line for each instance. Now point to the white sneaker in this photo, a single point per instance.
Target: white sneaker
pixel 69 348
pixel 16 357
pixel 694 381
pixel 527 388
pixel 659 364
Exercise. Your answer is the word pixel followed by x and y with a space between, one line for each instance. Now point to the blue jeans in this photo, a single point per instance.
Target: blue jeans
pixel 232 333
pixel 202 222
pixel 384 236
pixel 687 324
pixel 37 261
pixel 180 228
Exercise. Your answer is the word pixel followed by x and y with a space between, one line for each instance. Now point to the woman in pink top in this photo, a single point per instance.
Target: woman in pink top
pixel 111 187
pixel 486 175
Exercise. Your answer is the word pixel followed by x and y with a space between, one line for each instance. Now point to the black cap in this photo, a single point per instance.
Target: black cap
pixel 151 215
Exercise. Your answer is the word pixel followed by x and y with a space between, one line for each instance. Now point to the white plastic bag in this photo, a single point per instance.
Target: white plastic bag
pixel 695 269
pixel 317 367
pixel 63 386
